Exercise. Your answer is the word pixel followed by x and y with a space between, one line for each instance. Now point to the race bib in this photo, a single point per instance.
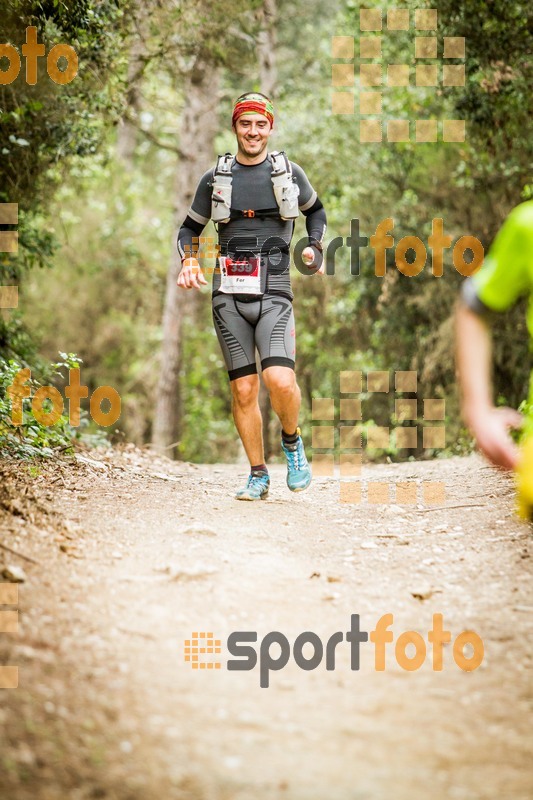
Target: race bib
pixel 240 275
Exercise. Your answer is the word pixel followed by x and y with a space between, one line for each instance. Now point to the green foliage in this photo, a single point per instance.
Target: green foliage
pixel 44 127
pixel 31 439
pixel 41 125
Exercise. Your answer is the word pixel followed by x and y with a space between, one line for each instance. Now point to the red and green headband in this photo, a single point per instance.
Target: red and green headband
pixel 253 103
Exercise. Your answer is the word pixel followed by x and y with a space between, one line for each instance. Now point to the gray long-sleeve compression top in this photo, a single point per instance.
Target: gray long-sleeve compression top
pixel 252 189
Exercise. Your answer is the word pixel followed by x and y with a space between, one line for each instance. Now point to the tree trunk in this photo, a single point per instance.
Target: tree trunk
pixel 127 130
pixel 198 129
pixel 266 46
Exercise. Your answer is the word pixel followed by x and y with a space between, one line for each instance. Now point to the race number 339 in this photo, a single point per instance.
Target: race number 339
pixel 240 275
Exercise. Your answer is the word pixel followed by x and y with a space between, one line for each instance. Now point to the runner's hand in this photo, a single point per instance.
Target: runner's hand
pixel 191 276
pixel 308 256
pixel 491 430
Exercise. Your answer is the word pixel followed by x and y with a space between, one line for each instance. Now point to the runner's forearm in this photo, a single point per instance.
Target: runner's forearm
pixel 188 238
pixel 474 353
pixel 316 223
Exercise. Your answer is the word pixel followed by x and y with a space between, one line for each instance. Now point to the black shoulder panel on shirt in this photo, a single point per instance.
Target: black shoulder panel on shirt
pixel 196 227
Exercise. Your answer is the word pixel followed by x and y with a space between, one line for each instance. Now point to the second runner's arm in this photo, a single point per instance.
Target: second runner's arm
pixel 495 288
pixel 488 424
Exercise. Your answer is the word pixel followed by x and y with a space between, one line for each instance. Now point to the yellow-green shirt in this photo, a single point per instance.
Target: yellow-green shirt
pixel 507 272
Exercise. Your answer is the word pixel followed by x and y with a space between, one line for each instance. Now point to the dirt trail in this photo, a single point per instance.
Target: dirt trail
pixel 136 554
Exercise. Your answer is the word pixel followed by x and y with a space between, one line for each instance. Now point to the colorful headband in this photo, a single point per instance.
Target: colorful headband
pixel 253 104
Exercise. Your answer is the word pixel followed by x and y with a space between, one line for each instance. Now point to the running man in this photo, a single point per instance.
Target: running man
pixel 506 275
pixel 255 197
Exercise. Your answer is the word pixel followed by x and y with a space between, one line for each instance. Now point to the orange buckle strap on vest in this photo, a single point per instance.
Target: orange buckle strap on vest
pixel 249 212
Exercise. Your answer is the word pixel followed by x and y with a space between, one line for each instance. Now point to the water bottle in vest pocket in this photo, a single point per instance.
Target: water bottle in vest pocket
pixel 221 199
pixel 288 208
pixel 286 191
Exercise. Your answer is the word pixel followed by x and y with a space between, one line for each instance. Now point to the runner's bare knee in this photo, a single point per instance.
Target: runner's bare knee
pixel 245 390
pixel 280 380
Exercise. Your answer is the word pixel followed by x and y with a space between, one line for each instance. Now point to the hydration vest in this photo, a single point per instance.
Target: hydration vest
pixel 286 191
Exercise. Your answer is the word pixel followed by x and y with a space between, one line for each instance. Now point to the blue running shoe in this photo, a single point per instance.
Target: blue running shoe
pixel 298 469
pixel 256 488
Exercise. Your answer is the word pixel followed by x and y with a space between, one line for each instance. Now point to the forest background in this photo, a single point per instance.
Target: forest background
pixel 103 170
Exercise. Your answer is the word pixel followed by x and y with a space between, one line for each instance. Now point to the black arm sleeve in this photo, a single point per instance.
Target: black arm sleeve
pixel 197 218
pixel 316 223
pixel 188 237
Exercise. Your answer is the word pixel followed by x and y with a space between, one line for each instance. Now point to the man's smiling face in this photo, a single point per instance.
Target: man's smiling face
pixel 252 131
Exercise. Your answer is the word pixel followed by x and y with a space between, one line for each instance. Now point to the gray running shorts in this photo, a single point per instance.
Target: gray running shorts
pixel 266 323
